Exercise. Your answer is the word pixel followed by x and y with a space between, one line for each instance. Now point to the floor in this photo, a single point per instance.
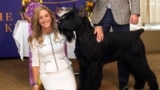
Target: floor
pixel 14 73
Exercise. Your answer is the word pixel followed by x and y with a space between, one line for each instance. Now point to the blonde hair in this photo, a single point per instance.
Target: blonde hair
pixel 36 27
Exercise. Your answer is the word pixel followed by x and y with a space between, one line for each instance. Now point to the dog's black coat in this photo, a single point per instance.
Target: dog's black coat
pixel 125 46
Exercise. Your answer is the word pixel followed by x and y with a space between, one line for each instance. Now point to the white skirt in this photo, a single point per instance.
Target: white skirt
pixel 62 80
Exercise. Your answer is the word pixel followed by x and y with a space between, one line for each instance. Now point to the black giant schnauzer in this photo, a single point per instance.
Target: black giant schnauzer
pixel 126 46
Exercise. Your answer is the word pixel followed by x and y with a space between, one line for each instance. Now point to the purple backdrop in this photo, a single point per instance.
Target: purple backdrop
pixel 10 13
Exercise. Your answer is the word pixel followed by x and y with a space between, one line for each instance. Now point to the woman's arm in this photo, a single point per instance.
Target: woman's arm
pixel 35 58
pixel 35 70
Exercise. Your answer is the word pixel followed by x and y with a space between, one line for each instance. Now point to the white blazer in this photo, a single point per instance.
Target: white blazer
pixel 50 56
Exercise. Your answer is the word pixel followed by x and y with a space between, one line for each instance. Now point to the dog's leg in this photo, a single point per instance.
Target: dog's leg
pixel 94 76
pixel 82 75
pixel 139 83
pixel 152 81
pixel 136 59
pixel 142 72
pixel 145 75
pixel 90 75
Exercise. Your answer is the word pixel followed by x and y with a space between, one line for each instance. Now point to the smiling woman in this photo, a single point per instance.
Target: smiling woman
pixel 49 60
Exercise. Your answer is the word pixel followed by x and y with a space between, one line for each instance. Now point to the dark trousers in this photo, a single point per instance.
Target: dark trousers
pixel 108 22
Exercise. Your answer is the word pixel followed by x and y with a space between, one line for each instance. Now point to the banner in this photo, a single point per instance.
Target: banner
pixel 10 13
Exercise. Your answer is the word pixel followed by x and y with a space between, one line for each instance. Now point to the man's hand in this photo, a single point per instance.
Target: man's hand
pixel 99 31
pixel 134 19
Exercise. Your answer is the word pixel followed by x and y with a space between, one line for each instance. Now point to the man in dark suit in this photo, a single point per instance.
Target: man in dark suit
pixel 117 14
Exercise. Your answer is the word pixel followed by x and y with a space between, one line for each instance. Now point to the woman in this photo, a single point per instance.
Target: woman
pixel 49 61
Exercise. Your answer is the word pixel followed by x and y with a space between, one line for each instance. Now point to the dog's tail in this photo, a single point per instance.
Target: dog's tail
pixel 139 32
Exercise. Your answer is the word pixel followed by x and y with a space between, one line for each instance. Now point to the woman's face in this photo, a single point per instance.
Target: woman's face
pixel 44 19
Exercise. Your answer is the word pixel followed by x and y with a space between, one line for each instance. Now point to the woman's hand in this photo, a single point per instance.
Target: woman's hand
pixel 35 87
pixel 99 31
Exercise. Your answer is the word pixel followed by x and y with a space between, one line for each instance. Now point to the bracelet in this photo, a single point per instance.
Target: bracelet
pixel 35 85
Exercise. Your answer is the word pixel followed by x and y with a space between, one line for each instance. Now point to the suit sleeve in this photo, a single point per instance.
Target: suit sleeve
pixel 135 7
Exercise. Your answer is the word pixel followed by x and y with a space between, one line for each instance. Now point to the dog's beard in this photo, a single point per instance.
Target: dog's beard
pixel 69 35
